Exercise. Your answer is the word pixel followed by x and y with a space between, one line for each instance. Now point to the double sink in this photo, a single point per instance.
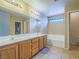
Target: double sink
pixel 6 40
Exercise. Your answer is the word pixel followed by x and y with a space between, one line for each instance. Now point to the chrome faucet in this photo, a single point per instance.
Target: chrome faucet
pixel 11 37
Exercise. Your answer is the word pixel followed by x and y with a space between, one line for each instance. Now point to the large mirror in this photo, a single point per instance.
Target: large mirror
pixel 11 24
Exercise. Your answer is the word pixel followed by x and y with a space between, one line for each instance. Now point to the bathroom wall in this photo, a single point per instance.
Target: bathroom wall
pixel 4 23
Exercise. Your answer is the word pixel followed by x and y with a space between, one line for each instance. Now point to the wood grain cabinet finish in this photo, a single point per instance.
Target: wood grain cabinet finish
pixel 41 44
pixel 9 52
pixel 25 49
pixel 34 45
pixel 45 40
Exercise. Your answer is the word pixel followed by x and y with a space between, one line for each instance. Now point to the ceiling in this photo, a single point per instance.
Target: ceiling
pixel 47 7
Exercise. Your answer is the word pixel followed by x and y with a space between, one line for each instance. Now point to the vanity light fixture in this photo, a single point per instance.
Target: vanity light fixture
pixel 14 2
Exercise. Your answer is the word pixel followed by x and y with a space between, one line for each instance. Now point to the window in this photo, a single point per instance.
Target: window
pixel 56 20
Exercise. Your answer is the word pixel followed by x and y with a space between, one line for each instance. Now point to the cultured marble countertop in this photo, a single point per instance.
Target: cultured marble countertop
pixel 11 39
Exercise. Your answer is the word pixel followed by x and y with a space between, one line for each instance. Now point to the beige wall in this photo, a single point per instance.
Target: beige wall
pixel 69 7
pixel 56 28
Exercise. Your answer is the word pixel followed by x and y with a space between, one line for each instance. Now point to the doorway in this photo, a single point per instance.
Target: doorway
pixel 74 30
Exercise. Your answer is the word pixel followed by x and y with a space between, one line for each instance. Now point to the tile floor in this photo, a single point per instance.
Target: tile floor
pixel 58 53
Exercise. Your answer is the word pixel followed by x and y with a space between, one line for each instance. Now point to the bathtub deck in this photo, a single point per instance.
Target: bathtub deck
pixel 56 40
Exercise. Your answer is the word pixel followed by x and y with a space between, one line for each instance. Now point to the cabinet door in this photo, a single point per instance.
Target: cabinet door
pixel 34 45
pixel 25 49
pixel 41 43
pixel 45 40
pixel 9 52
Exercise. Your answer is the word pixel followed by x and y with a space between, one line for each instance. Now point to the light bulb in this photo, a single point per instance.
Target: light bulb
pixel 13 0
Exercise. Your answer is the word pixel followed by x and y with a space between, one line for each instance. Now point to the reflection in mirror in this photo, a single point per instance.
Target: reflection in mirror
pixel 14 24
pixel 17 28
pixel 4 24
pixel 34 25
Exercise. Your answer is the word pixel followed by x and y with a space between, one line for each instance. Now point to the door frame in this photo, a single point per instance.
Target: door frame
pixel 68 27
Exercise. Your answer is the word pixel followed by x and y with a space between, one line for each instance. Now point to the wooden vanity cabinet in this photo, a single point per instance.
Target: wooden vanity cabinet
pixel 25 49
pixel 45 40
pixel 34 46
pixel 41 44
pixel 9 52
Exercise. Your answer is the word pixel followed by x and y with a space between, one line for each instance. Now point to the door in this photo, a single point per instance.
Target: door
pixel 9 52
pixel 74 29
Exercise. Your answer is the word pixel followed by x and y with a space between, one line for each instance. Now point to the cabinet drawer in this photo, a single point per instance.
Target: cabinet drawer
pixel 25 42
pixel 34 40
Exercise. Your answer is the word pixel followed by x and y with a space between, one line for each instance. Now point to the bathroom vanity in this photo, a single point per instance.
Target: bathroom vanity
pixel 22 46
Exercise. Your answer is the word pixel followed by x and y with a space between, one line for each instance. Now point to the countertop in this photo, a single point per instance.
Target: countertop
pixel 11 39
